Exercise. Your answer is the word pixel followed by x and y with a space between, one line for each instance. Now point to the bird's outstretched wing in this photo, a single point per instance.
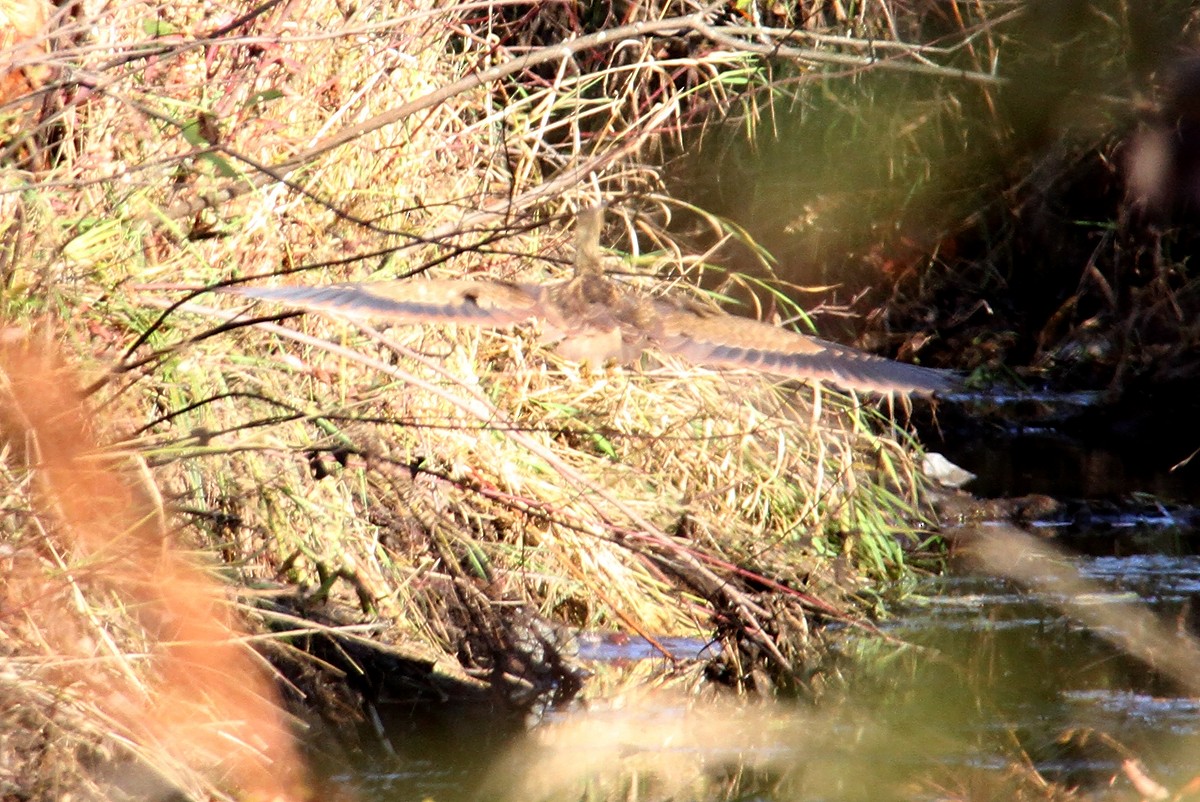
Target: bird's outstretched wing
pixel 482 303
pixel 725 341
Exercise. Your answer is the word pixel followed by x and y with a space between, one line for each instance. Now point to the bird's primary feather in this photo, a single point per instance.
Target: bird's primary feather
pixel 596 319
pixel 487 303
pixel 599 333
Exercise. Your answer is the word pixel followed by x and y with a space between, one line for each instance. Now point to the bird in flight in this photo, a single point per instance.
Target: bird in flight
pixel 596 319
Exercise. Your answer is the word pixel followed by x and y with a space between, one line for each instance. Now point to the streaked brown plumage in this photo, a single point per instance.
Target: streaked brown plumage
pixel 596 319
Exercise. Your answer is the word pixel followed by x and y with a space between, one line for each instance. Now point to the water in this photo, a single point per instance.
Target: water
pixel 1067 445
pixel 1013 676
pixel 983 688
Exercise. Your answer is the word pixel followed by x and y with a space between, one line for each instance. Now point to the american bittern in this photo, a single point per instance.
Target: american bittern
pixel 596 319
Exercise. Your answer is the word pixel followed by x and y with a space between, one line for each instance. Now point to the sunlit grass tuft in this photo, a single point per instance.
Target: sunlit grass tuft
pixel 415 476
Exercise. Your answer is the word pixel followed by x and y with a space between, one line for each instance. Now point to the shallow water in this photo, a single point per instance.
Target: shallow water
pixel 984 690
pixel 1064 445
pixel 1017 679
pixel 992 677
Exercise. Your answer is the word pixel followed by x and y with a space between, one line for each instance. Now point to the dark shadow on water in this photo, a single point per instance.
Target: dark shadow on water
pixel 1066 445
pixel 412 753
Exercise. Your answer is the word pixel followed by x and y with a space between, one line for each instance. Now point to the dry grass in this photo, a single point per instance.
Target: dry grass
pixel 449 474
pixel 117 640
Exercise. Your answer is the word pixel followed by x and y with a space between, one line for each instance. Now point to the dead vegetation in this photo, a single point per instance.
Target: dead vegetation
pixel 121 651
pixel 470 496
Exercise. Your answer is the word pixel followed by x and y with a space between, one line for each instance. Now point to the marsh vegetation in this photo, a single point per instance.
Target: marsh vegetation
pixel 422 518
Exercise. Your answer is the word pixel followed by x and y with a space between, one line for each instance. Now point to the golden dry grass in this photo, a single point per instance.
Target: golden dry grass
pixel 434 467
